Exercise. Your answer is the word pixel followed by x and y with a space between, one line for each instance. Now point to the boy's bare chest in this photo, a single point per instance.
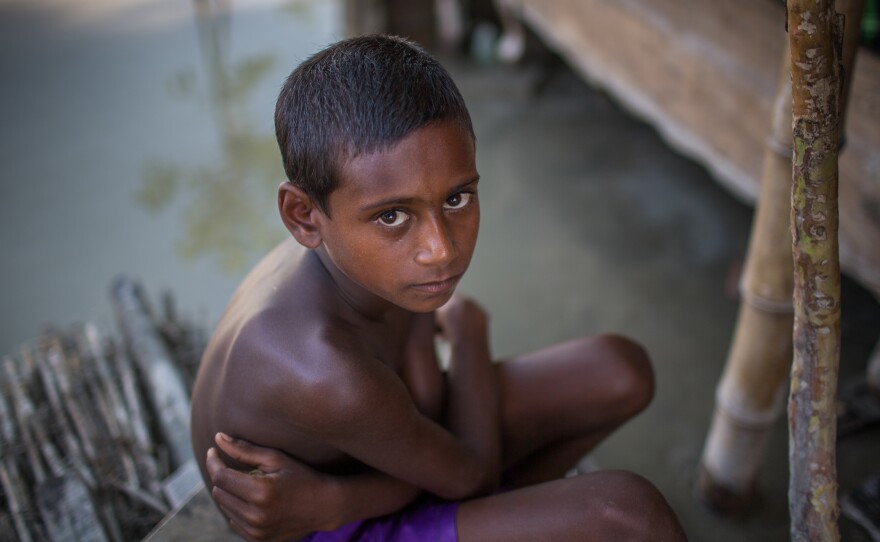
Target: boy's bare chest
pixel 412 358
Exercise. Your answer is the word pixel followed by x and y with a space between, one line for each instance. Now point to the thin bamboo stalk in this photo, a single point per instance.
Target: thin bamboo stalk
pixel 750 395
pixel 815 37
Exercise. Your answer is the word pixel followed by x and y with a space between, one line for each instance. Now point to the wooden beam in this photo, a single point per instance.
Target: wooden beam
pixel 815 37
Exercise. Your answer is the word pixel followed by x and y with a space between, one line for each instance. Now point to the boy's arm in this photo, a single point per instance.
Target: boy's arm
pixel 473 407
pixel 368 413
pixel 283 499
pixel 377 418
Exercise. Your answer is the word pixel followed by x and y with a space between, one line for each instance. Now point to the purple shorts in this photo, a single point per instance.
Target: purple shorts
pixel 428 519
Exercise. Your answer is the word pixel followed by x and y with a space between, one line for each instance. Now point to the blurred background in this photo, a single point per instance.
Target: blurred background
pixel 137 139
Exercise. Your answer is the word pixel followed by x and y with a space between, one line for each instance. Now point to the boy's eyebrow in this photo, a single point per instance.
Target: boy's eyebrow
pixel 405 201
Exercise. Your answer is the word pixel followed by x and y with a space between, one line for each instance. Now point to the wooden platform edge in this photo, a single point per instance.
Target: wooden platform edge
pixel 709 93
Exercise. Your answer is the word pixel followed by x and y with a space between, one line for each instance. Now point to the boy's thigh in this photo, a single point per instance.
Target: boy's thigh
pixel 605 505
pixel 569 390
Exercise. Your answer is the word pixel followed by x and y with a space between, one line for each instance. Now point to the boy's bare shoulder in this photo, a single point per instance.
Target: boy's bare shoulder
pixel 283 329
pixel 280 316
pixel 282 367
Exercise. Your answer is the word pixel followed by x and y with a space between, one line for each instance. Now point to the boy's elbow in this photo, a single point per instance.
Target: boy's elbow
pixel 474 479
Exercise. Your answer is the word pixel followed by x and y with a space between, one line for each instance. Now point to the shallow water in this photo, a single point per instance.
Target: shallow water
pixel 137 138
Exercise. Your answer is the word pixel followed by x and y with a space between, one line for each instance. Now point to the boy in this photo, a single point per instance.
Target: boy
pixel 325 355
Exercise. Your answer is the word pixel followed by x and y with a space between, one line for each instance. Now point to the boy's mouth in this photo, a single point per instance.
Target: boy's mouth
pixel 439 286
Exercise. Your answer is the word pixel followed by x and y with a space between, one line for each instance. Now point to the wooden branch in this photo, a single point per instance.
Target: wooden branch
pixel 84 426
pixel 11 485
pixel 23 410
pixel 168 394
pixel 111 406
pixel 815 34
pixel 71 445
pixel 16 498
pixel 68 510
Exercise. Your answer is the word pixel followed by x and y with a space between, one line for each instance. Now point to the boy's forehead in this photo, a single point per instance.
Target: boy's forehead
pixel 442 152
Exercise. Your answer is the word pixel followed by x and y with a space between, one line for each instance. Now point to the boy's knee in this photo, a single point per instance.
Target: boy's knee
pixel 639 511
pixel 631 376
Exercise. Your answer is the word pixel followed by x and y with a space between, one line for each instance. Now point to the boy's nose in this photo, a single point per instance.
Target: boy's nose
pixel 435 244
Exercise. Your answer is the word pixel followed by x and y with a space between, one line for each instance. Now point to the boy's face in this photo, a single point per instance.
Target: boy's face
pixel 405 220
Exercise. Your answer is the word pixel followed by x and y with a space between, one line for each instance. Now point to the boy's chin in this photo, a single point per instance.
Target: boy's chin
pixel 429 304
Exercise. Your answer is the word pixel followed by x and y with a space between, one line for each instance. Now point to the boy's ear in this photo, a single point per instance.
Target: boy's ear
pixel 299 214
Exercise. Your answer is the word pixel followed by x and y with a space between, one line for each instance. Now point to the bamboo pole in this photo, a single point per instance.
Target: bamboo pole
pixel 750 395
pixel 815 37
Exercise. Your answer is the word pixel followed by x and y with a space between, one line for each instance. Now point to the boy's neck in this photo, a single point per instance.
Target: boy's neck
pixel 363 303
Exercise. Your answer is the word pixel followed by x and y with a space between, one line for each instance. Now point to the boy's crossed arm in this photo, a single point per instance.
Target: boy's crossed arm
pixel 371 417
pixel 284 499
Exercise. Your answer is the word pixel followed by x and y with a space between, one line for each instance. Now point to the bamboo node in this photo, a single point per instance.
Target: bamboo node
pixel 780 146
pixel 743 415
pixel 764 303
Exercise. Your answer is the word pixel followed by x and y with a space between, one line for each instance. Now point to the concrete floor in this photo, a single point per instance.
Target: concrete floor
pixel 591 224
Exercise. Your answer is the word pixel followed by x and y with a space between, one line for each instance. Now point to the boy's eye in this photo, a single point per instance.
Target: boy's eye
pixel 393 218
pixel 458 200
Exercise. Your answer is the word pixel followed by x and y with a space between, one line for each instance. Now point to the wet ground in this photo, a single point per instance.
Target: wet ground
pixel 137 138
pixel 593 224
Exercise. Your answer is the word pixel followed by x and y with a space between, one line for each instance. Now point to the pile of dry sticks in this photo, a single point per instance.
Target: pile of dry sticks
pixel 93 429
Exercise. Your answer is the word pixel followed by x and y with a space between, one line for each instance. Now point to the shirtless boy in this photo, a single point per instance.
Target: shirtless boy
pixel 325 356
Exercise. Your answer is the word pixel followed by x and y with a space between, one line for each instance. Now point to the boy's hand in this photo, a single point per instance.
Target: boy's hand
pixel 459 316
pixel 281 499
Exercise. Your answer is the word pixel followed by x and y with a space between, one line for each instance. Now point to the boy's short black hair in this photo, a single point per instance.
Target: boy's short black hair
pixel 358 96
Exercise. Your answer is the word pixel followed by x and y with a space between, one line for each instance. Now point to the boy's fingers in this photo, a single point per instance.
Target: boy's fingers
pixel 231 506
pixel 242 517
pixel 236 483
pixel 245 452
pixel 237 512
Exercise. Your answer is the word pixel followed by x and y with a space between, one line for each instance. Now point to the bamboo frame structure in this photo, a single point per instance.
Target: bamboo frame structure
pixel 815 37
pixel 751 392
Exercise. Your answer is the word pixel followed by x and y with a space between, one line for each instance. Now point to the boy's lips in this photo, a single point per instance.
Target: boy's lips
pixel 439 286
